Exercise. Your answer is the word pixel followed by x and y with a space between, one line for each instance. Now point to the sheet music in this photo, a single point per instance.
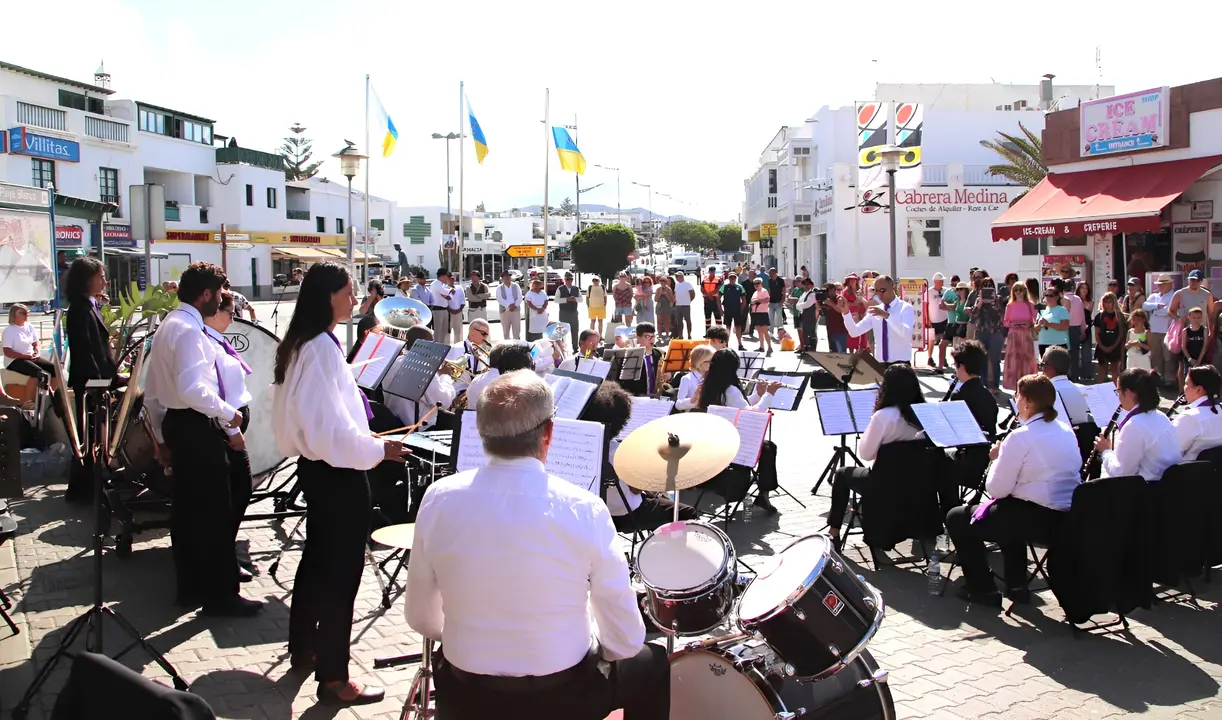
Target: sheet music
pixel 750 363
pixel 949 424
pixel 834 413
pixel 752 426
pixel 575 454
pixel 863 402
pixel 645 409
pixel 1102 401
pixel 594 367
pixel 374 358
pixel 571 395
pixel 470 447
pixel 785 398
pixel 961 419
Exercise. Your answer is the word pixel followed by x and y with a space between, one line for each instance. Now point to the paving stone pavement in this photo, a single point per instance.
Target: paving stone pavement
pixel 946 660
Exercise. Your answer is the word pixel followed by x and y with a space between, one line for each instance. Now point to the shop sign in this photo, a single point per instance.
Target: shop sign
pixel 823 203
pixel 23 195
pixel 1072 228
pixel 1137 121
pixel 946 201
pixel 21 142
pixel 1188 243
pixel 1203 210
pixel 69 236
pixel 768 230
pixel 188 236
pixel 118 236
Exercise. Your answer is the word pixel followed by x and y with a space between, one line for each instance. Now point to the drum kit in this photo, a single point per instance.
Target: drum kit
pixel 797 632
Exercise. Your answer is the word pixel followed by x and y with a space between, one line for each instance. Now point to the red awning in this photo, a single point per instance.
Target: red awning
pixel 1114 200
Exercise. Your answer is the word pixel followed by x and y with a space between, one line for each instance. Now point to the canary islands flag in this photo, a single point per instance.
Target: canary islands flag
pixel 384 124
pixel 571 158
pixel 477 135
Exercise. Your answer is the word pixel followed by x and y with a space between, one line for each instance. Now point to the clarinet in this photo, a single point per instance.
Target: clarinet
pixel 1176 405
pixel 1095 457
pixel 951 390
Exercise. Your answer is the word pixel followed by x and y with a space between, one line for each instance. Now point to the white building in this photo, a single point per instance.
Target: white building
pixel 804 193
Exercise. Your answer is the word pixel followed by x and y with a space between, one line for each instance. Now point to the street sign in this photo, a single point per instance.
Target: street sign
pixel 524 251
pixel 768 229
pixel 231 238
pixel 239 245
pixel 766 244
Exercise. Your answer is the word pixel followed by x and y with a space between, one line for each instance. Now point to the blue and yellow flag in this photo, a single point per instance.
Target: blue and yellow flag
pixel 384 123
pixel 571 158
pixel 477 135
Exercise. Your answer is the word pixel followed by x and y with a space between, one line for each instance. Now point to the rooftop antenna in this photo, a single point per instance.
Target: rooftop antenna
pixel 101 78
pixel 1098 68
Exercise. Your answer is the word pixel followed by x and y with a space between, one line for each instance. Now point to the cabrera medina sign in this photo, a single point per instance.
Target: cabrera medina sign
pixel 1137 121
pixel 959 200
pixel 23 142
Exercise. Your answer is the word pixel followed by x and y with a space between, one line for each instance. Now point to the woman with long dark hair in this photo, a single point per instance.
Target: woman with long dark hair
pixel 90 356
pixel 892 421
pixel 320 415
pixel 721 386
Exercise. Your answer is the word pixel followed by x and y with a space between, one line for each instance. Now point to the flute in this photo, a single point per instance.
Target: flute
pixel 1095 455
pixel 749 385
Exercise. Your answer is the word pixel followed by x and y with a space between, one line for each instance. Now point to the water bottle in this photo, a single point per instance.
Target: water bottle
pixel 748 511
pixel 933 572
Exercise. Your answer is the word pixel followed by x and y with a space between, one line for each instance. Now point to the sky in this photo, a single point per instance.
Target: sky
pixel 679 95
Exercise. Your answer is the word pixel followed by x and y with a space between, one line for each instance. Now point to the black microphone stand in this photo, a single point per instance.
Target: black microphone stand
pixel 97 434
pixel 275 318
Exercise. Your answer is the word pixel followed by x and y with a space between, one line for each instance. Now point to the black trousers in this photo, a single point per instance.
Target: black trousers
pixel 846 480
pixel 33 368
pixel 80 474
pixel 653 512
pixel 329 575
pixel 574 326
pixel 1012 524
pixel 203 525
pixel 639 685
pixel 240 478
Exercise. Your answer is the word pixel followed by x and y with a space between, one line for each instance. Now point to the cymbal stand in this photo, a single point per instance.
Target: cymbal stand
pixel 420 697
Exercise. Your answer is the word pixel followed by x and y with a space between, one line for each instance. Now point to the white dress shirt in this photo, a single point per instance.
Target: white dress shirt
pixel 1156 306
pixel 515 571
pixel 1199 428
pixel 319 414
pixel 20 339
pixel 507 295
pixel 441 293
pixel 232 374
pixel 683 293
pixel 886 426
pixel 458 297
pixel 897 326
pixel 809 300
pixel 439 392
pixel 1075 404
pixel 478 384
pixel 688 384
pixel 1039 462
pixel 536 321
pixel 734 398
pixel 457 350
pixel 1146 445
pixel 182 372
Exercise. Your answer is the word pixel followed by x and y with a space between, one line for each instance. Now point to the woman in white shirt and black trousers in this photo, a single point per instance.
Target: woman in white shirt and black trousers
pixel 1146 442
pixel 1031 482
pixel 1199 425
pixel 320 415
pixel 892 421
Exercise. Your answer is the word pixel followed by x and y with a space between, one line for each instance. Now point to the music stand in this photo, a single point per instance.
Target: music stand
pixel 420 366
pixel 678 355
pixel 750 365
pixel 858 368
pixel 632 362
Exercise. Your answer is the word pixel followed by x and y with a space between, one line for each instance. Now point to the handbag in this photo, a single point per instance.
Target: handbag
pixel 1175 337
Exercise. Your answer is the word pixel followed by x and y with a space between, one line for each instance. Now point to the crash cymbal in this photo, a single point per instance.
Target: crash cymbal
pixel 676 452
pixel 396 536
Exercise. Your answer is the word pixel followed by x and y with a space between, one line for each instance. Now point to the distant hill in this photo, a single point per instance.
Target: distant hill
pixel 610 209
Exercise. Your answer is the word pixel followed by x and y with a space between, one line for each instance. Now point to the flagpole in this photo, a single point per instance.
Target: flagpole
pixel 462 144
pixel 368 165
pixel 547 149
pixel 577 176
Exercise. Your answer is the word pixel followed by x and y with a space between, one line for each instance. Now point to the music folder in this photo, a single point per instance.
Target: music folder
pixel 571 391
pixel 374 359
pixel 949 424
pixel 845 412
pixel 786 398
pixel 752 426
pixel 575 455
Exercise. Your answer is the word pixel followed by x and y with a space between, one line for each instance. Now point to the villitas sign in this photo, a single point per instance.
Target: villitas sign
pixel 23 142
pixel 1137 121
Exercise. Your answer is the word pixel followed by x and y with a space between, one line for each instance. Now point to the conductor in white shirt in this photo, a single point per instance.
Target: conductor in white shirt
pixel 509 302
pixel 1146 443
pixel 1199 425
pixel 319 414
pixel 1031 482
pixel 890 319
pixel 190 412
pixel 539 618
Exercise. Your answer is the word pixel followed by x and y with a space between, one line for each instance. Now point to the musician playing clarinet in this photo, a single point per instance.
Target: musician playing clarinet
pixel 1145 443
pixel 318 413
pixel 1199 425
pixel 1031 483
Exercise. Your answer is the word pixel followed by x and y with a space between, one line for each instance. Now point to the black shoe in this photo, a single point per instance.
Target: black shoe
pixel 1019 596
pixel 236 606
pixel 246 564
pixel 245 575
pixel 991 598
pixel 765 504
pixel 367 696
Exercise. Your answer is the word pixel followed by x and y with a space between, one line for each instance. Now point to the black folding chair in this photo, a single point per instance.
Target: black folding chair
pixel 902 502
pixel 8 529
pixel 1211 503
pixel 1182 524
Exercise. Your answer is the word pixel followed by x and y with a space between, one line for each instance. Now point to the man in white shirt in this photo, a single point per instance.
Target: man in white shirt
pixel 439 393
pixel 505 358
pixel 1056 363
pixel 587 344
pixel 1146 443
pixel 1031 482
pixel 478 333
pixel 937 319
pixel 1199 425
pixel 538 612
pixel 440 291
pixel 458 299
pixel 509 301
pixel 685 292
pixel 891 321
pixel 1158 307
pixel 419 291
pixel 189 414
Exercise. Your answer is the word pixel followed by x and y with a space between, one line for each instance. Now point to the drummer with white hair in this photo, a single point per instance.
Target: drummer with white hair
pixel 568 641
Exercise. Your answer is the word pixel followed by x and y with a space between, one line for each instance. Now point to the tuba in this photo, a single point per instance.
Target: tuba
pixel 397 315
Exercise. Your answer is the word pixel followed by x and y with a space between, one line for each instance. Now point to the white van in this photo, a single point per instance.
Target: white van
pixel 685 262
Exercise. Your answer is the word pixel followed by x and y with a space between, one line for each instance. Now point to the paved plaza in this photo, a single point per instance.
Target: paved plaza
pixel 946 660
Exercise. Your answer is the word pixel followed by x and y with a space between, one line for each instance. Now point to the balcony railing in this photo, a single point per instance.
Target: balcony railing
pixel 42 117
pixel 246 156
pixel 933 175
pixel 297 214
pixel 980 175
pixel 105 129
pixel 171 213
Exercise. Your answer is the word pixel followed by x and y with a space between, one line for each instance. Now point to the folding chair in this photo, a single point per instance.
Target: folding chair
pixel 1212 506
pixel 1182 523
pixel 8 529
pixel 903 501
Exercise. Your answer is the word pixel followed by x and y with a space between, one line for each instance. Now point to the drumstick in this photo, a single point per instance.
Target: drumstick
pixel 409 428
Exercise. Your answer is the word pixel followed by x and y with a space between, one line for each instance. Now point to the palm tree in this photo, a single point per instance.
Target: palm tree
pixel 1023 156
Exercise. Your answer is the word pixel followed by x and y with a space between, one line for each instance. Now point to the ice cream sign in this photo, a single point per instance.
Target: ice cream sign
pixel 1137 121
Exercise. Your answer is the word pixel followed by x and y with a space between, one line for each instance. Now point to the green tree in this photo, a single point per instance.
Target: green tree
pixel 566 207
pixel 729 238
pixel 695 236
pixel 1023 156
pixel 297 151
pixel 602 249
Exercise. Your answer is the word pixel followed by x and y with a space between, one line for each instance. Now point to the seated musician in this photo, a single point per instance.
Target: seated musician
pixel 539 618
pixel 478 333
pixel 1199 425
pixel 1146 443
pixel 971 360
pixel 587 348
pixel 367 324
pixel 647 383
pixel 611 407
pixel 718 337
pixel 699 361
pixel 1031 482
pixel 892 421
pixel 1055 366
pixel 504 358
pixel 439 392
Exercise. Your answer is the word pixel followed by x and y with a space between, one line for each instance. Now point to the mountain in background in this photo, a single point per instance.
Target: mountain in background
pixel 610 210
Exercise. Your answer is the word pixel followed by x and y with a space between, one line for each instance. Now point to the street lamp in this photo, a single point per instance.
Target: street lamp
pixel 449 188
pixel 890 155
pixel 618 219
pixel 349 166
pixel 651 232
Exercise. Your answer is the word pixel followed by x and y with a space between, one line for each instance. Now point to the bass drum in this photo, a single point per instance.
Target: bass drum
pixel 257 346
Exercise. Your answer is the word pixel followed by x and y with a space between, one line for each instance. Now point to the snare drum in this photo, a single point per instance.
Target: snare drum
pixel 687 569
pixel 816 613
pixel 747 682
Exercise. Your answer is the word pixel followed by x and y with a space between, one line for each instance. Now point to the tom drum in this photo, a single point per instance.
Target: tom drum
pixel 688 572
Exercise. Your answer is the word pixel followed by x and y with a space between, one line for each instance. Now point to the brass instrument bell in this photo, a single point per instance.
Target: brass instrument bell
pixel 399 314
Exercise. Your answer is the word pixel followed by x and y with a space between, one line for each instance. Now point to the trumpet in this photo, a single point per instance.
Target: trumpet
pixel 453 368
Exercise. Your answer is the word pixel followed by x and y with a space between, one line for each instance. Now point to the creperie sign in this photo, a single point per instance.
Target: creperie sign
pixel 1075 228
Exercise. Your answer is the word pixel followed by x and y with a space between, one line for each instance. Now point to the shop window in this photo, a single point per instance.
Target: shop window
pixel 924 237
pixel 43 172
